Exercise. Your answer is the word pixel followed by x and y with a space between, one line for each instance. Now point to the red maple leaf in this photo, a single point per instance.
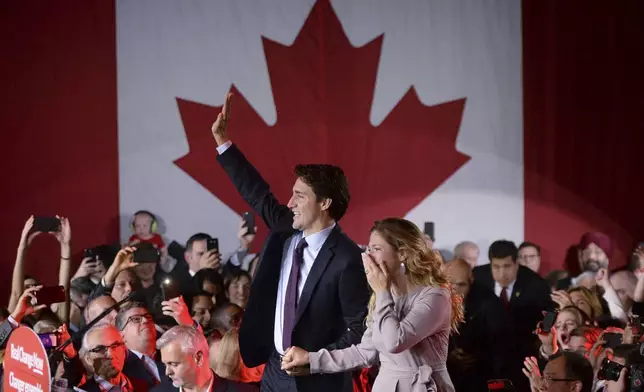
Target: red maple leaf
pixel 323 89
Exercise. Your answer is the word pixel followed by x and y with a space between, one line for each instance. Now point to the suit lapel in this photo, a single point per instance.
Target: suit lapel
pixel 160 367
pixel 319 265
pixel 518 287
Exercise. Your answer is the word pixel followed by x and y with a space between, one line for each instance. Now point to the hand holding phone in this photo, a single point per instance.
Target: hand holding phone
pixel 46 224
pixel 429 230
pixel 170 289
pixel 212 244
pixel 612 339
pixel 249 222
pixel 49 340
pixel 49 295
pixel 548 321
pixel 146 253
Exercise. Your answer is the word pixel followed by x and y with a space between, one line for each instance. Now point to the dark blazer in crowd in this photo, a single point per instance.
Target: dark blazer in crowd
pixel 529 298
pixel 219 385
pixel 5 331
pixel 483 338
pixel 333 305
pixel 134 368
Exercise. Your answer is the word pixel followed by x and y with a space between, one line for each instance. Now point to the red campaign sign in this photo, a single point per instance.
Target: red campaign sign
pixel 26 368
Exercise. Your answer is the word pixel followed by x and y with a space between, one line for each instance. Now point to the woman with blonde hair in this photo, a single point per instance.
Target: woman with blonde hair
pixel 411 314
pixel 581 297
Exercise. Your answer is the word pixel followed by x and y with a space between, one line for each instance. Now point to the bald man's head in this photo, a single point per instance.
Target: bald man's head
pixel 97 306
pixel 460 275
pixel 624 283
pixel 467 251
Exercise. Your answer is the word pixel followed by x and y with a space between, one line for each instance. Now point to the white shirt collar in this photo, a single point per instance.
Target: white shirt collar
pixel 140 355
pixel 104 384
pixel 210 385
pixel 316 240
pixel 498 288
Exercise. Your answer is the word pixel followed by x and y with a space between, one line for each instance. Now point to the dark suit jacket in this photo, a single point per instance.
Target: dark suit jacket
pixel 530 297
pixel 219 385
pixel 483 337
pixel 5 332
pixel 134 368
pixel 333 305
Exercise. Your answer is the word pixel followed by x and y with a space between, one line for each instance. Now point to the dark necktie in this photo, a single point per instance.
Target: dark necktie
pixel 290 299
pixel 504 298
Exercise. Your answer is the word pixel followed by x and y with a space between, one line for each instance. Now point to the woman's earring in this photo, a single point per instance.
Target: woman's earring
pixel 402 268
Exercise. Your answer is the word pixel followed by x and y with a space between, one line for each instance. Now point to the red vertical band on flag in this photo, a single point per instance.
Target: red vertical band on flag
pixel 59 127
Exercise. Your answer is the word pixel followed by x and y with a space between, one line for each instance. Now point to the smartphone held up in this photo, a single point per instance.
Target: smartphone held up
pixel 46 224
pixel 249 222
pixel 49 295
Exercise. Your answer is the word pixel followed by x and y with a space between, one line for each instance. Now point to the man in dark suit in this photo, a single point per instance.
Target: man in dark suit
pixel 103 351
pixel 143 361
pixel 310 289
pixel 523 293
pixel 479 351
pixel 185 353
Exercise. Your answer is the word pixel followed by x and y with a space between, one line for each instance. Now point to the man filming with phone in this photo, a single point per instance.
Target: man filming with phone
pixel 135 268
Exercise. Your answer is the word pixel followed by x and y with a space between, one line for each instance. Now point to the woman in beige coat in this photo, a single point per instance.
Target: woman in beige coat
pixel 411 314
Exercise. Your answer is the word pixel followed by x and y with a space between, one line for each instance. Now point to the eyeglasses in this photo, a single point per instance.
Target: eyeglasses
pixel 104 349
pixel 138 319
pixel 548 380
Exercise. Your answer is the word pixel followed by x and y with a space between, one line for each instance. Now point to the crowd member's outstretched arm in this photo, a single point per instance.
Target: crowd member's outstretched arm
pixel 249 183
pixel 18 279
pixel 64 237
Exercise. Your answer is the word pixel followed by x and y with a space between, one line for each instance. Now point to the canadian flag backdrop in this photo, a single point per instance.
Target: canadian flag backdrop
pixel 495 119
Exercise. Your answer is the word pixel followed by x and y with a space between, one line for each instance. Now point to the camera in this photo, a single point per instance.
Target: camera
pixel 610 370
pixel 90 253
pixel 50 340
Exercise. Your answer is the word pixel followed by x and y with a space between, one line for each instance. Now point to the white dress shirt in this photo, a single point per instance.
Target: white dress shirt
pixel 149 364
pixel 498 288
pixel 315 242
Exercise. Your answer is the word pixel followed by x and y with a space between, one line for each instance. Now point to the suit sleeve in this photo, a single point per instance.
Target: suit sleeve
pixel 74 371
pixel 5 332
pixel 254 189
pixel 354 299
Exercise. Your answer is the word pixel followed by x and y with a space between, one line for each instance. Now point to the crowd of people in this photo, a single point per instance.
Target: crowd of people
pixel 316 312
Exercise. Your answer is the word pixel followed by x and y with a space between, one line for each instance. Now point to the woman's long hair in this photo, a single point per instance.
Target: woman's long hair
pixel 422 266
pixel 227 364
pixel 592 299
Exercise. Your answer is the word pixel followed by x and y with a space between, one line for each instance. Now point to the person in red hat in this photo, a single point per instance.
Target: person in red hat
pixel 595 251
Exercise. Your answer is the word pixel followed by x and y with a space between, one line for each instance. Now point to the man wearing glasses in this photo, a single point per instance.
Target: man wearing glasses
pixel 139 333
pixel 530 256
pixel 103 352
pixel 565 371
